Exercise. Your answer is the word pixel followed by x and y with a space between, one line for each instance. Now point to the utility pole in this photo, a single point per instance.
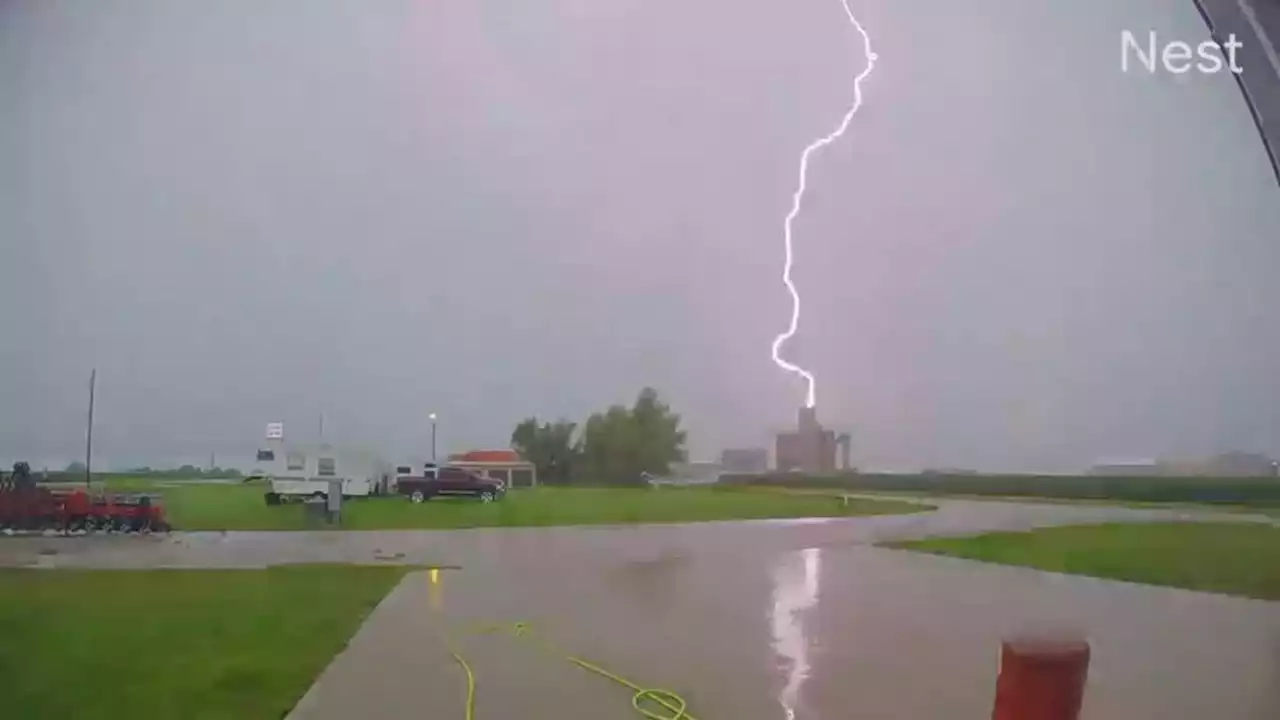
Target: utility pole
pixel 88 436
pixel 433 438
pixel 322 427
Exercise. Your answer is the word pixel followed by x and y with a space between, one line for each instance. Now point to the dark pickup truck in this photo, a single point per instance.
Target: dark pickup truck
pixel 447 481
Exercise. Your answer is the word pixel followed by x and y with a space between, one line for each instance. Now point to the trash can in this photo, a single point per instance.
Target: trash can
pixel 315 512
pixel 334 504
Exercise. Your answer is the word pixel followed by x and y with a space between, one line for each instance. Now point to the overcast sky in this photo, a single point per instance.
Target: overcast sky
pixel 246 211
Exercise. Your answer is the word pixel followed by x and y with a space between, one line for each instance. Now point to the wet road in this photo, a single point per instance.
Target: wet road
pixel 516 546
pixel 758 620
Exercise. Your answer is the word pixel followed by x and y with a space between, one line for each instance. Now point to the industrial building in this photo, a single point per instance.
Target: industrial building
pixel 811 448
pixel 744 460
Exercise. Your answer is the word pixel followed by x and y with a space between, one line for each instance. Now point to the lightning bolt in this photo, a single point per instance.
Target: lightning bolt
pixel 798 197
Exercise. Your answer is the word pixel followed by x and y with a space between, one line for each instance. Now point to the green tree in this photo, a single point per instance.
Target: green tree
pixel 614 447
pixel 609 450
pixel 620 444
pixel 75 468
pixel 549 446
pixel 657 434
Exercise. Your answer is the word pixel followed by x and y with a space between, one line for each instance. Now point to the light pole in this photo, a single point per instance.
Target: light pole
pixel 88 435
pixel 432 417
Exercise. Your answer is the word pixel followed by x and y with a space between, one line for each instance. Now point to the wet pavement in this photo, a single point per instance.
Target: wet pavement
pixel 753 620
pixel 487 547
pixel 844 632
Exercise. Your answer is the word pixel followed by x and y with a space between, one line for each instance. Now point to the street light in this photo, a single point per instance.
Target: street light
pixel 432 417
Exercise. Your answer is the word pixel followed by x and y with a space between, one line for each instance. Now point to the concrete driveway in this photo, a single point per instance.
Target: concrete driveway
pixel 837 632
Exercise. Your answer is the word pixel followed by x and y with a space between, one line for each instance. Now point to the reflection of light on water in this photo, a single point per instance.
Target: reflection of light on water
pixel 435 592
pixel 795 589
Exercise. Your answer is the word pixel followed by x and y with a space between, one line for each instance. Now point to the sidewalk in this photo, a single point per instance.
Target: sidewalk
pixel 400 665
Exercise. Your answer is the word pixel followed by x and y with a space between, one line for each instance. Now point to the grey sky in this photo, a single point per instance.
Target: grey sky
pixel 1018 258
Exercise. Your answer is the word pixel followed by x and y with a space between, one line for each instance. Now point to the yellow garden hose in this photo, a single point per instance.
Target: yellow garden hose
pixel 672 702
pixel 471 687
pixel 665 698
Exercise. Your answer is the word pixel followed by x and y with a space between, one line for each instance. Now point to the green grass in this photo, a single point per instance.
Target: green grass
pixel 192 644
pixel 1233 558
pixel 241 507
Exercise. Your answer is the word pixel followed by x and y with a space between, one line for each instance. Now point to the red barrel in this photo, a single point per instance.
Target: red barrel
pixel 1041 679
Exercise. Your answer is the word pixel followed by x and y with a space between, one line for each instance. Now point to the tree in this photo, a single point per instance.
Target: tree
pixel 614 447
pixel 609 450
pixel 657 434
pixel 621 444
pixel 75 468
pixel 549 446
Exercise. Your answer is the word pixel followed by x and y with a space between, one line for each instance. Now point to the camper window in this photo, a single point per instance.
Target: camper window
pixel 266 456
pixel 296 461
pixel 326 467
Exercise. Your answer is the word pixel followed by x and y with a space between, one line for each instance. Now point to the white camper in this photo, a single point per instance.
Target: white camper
pixel 296 471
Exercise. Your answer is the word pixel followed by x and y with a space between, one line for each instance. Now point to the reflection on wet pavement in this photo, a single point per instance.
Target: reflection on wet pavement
pixel 749 621
pixel 795 590
pixel 833 633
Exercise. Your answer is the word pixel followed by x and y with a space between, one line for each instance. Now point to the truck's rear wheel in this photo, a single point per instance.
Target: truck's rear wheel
pixel 272 498
pixel 486 496
pixel 417 496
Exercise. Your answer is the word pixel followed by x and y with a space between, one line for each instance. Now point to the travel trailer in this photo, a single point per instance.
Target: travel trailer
pixel 299 471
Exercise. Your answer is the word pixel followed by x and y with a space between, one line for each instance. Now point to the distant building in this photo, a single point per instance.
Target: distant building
pixel 505 465
pixel 1242 464
pixel 811 448
pixel 694 471
pixel 1118 468
pixel 813 451
pixel 1229 464
pixel 745 460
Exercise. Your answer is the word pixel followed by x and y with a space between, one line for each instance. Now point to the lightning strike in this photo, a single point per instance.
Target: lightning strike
pixel 798 197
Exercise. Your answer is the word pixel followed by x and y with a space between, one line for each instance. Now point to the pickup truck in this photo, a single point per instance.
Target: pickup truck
pixel 446 481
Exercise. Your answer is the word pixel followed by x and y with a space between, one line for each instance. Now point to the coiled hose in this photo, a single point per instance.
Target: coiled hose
pixel 668 700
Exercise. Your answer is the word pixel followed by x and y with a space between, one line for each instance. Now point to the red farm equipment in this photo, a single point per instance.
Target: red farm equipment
pixel 26 506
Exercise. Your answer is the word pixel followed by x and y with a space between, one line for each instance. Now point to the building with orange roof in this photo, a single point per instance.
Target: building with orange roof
pixel 502 464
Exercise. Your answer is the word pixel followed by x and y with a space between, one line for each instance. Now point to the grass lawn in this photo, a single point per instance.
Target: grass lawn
pixel 192 644
pixel 1233 558
pixel 241 507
